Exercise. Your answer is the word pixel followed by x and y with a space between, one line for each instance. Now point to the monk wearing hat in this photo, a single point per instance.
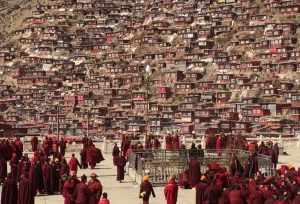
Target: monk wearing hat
pixel 200 190
pixel 146 189
pixel 95 188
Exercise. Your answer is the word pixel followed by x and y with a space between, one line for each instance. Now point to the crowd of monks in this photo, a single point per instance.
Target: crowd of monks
pixel 48 172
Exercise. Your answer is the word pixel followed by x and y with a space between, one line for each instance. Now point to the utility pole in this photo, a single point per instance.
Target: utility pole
pixel 88 124
pixel 57 119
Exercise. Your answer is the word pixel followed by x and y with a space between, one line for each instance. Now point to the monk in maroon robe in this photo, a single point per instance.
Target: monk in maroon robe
pixel 3 169
pixel 64 167
pixel 34 144
pixel 296 200
pixel 19 147
pixel 146 189
pixel 219 145
pixel 83 158
pixel 194 172
pixel 69 189
pixel 25 193
pixel 125 146
pixel 200 191
pixel 120 163
pixel 81 193
pixel 235 196
pixel 115 153
pixel 74 164
pixel 24 166
pixel 92 156
pixel 62 146
pixel 47 178
pixel 56 178
pixel 171 191
pixel 9 191
pixel 95 188
pixel 183 180
pixel 14 163
pixel 36 177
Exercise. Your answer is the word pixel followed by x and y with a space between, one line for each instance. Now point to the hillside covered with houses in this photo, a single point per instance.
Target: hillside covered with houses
pixel 152 66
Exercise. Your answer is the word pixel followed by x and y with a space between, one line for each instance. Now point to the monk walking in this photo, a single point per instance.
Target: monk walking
pixel 171 191
pixel 81 193
pixel 146 190
pixel 91 156
pixel 115 153
pixel 95 188
pixel 194 172
pixel 74 164
pixel 25 193
pixel 9 191
pixel 120 163
pixel 62 146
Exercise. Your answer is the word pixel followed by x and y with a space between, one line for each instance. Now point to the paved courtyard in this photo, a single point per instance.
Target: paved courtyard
pixel 119 193
pixel 127 192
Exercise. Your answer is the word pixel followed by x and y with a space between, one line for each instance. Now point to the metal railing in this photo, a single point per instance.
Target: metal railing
pixel 161 164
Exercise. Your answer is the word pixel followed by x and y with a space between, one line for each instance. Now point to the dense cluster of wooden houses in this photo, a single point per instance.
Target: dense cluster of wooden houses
pixel 201 67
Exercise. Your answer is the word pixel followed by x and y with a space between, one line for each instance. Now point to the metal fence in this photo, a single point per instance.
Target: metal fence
pixel 161 164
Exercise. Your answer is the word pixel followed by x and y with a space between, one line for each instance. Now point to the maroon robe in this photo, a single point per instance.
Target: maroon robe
pixel 68 190
pixel 14 163
pixel 255 197
pixel 47 178
pixel 92 156
pixel 64 168
pixel 25 193
pixel 171 192
pixel 3 169
pixel 55 170
pixel 73 164
pixel 120 163
pixel 9 191
pixel 95 189
pixel 296 199
pixel 83 158
pixel 194 172
pixel 235 197
pixel 36 177
pixel 24 167
pixel 34 144
pixel 146 187
pixel 200 192
pixel 115 153
pixel 81 193
pixel 62 147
